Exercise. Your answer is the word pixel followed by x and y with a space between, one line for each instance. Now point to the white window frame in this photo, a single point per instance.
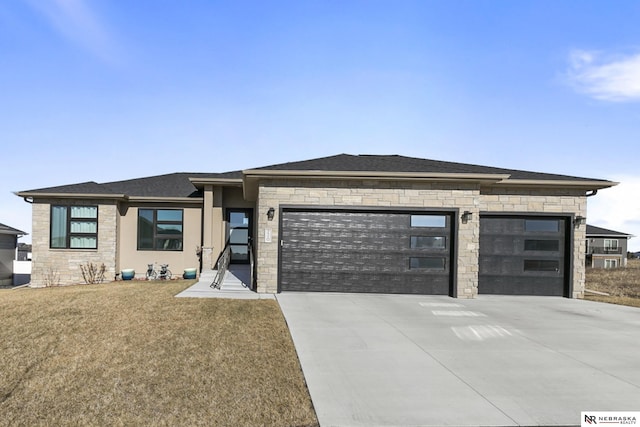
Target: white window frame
pixel 610 263
pixel 610 244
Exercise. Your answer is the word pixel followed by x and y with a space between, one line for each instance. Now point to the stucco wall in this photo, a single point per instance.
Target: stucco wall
pixel 62 266
pixel 131 257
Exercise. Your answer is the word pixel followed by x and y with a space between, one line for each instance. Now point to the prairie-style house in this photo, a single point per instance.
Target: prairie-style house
pixel 345 223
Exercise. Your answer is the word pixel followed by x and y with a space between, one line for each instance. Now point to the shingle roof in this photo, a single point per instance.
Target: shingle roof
pixel 170 185
pixel 89 187
pixel 5 229
pixel 592 230
pixel 179 184
pixel 396 163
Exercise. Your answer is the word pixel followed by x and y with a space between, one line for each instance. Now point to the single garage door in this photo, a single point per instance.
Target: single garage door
pixel 356 251
pixel 523 256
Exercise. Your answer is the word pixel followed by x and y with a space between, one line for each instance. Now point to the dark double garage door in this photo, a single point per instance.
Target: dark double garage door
pixel 356 251
pixel 412 252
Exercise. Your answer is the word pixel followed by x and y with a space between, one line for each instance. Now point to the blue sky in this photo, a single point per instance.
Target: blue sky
pixel 104 90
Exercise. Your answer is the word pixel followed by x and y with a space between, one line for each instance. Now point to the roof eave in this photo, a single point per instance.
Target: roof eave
pixel 375 175
pixel 233 182
pixel 558 183
pixel 14 232
pixel 151 199
pixel 29 194
pixel 617 236
pixel 253 176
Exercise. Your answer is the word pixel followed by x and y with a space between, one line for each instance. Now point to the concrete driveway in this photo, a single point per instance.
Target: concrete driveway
pixel 387 360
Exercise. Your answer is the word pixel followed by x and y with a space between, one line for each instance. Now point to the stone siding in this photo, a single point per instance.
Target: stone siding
pixel 447 196
pixel 562 202
pixel 62 266
pixel 375 194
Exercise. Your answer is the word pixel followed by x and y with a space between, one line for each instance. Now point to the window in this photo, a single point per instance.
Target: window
pixel 541 265
pixel 431 263
pixel 160 229
pixel 611 245
pixel 74 227
pixel 541 245
pixel 428 242
pixel 542 225
pixel 610 263
pixel 438 221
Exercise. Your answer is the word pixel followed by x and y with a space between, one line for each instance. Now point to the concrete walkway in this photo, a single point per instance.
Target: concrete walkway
pixel 234 286
pixel 385 360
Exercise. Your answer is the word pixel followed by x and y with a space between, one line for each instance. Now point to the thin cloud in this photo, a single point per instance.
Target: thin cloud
pixel 75 21
pixel 618 208
pixel 615 79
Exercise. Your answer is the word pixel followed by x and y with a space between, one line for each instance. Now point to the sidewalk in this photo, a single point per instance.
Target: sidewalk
pixel 234 286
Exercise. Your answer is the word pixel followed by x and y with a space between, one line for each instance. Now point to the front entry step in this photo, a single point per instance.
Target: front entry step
pixel 232 286
pixel 237 278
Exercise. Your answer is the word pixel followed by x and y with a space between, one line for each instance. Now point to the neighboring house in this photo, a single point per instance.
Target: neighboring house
pixel 24 252
pixel 8 244
pixel 606 248
pixel 345 223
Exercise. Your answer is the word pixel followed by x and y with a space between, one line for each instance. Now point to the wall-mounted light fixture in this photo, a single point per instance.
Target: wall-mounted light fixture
pixel 579 220
pixel 270 213
pixel 466 216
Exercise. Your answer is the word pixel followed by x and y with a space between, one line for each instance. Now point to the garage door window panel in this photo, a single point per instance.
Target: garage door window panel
pixel 541 265
pixel 428 242
pixel 542 245
pixel 429 221
pixel 542 225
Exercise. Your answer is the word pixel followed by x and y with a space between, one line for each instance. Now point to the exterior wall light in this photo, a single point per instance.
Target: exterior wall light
pixel 579 220
pixel 466 216
pixel 270 213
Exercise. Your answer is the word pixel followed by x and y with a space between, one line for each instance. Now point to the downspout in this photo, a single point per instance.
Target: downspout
pixel 26 199
pixel 593 193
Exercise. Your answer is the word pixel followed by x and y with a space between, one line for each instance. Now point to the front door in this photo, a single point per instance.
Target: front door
pixel 239 233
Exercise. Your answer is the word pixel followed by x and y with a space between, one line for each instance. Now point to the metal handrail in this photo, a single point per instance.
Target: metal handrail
pixel 600 250
pixel 221 266
pixel 251 265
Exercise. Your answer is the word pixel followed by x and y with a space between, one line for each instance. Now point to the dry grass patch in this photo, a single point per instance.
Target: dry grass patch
pixel 130 353
pixel 622 284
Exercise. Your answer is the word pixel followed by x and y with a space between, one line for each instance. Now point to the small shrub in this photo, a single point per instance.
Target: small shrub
pixel 51 277
pixel 93 274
